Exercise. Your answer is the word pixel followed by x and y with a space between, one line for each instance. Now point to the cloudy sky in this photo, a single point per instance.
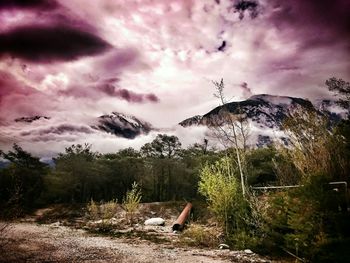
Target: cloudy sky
pixel 74 60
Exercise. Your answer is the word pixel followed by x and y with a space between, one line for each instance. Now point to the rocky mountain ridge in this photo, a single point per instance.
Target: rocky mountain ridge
pixel 122 125
pixel 268 110
pixel 266 114
pixel 31 118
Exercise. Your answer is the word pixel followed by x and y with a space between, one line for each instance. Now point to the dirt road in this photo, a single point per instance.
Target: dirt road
pixel 30 242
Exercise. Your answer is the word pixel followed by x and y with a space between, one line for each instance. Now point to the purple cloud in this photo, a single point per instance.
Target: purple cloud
pixel 128 95
pixel 28 4
pixel 17 99
pixel 247 92
pixel 242 6
pixel 317 22
pixel 59 130
pixel 134 97
pixel 9 86
pixel 50 43
pixel 100 91
pixel 159 49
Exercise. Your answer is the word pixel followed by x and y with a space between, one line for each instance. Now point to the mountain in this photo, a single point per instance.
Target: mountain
pixel 31 118
pixel 265 110
pixel 265 114
pixel 122 125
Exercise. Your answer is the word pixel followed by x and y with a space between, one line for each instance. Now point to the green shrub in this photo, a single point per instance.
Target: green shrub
pixel 93 209
pixel 132 200
pixel 197 235
pixel 109 209
pixel 219 185
pixel 306 220
pixel 104 210
pixel 243 239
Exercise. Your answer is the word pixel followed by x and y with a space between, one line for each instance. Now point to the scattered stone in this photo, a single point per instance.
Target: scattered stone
pixel 248 251
pixel 155 221
pixel 123 231
pixel 56 224
pixel 224 246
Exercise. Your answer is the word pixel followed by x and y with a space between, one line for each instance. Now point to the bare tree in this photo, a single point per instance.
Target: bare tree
pixel 231 129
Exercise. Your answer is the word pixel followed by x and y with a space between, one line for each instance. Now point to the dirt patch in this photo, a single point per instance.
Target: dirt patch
pixel 68 234
pixel 44 243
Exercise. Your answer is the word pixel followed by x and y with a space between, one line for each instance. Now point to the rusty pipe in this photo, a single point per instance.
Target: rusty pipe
pixel 181 220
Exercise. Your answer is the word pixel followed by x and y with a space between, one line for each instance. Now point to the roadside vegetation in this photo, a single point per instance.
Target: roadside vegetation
pixel 309 222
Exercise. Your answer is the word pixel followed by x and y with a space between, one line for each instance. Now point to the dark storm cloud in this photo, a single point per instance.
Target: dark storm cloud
pixel 131 96
pixel 100 91
pixel 50 43
pixel 28 4
pixel 128 95
pixel 242 6
pixel 320 22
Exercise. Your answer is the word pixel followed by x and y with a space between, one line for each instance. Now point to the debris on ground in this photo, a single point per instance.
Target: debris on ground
pixel 155 221
pixel 224 246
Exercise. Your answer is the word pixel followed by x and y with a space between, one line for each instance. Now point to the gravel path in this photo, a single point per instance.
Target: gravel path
pixel 29 242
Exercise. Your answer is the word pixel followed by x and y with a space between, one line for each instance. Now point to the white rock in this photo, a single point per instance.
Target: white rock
pixel 155 221
pixel 98 221
pixel 248 251
pixel 56 224
pixel 224 246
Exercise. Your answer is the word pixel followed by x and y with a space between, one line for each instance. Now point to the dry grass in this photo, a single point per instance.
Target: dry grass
pixel 201 236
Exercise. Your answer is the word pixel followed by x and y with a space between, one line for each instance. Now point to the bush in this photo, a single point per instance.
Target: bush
pixel 132 200
pixel 104 210
pixel 243 240
pixel 306 220
pixel 219 184
pixel 221 189
pixel 93 210
pixel 109 209
pixel 197 235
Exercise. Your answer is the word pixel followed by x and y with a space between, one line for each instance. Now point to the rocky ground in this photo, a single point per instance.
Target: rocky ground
pixel 30 242
pixel 81 240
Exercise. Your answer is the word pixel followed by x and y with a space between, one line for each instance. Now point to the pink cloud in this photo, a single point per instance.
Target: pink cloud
pixel 162 57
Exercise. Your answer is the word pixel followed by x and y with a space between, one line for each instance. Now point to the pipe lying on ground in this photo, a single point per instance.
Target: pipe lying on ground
pixel 181 220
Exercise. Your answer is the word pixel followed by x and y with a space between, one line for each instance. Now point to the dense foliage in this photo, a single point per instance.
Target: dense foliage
pixel 163 170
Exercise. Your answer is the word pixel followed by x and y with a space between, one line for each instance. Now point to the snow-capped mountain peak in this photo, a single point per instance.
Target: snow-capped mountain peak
pixel 265 114
pixel 122 125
